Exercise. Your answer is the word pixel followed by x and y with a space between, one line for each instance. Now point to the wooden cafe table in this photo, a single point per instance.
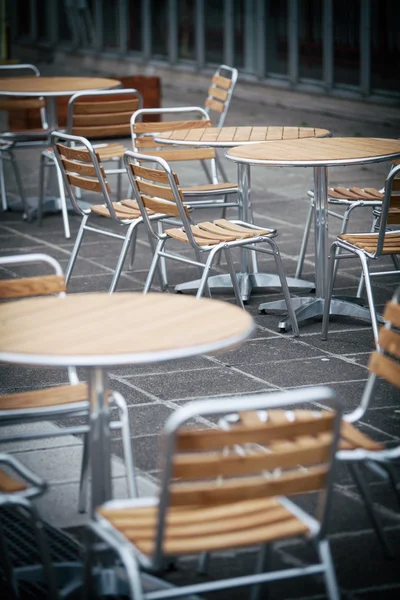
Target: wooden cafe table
pixel 98 331
pixel 320 154
pixel 229 137
pixel 51 88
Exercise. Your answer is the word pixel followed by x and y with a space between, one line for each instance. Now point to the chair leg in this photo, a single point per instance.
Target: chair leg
pixel 376 524
pixel 4 204
pixel 153 266
pixel 127 446
pixel 343 230
pixel 370 296
pixel 122 255
pixel 42 165
pixel 63 201
pixel 133 249
pixel 304 242
pixel 328 291
pixel 163 262
pixel 19 182
pixel 263 563
pixel 234 279
pixel 84 479
pixel 329 573
pixel 284 286
pixel 75 249
pixel 119 179
pixel 206 271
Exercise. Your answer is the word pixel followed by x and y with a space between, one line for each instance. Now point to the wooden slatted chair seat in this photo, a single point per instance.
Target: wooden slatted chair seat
pixel 350 438
pixel 126 209
pixel 196 529
pixel 9 484
pixel 354 193
pixel 106 152
pixel 218 188
pixel 54 396
pixel 221 230
pixel 369 241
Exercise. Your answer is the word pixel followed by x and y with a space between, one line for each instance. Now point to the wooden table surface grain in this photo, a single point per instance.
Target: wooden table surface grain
pixel 61 86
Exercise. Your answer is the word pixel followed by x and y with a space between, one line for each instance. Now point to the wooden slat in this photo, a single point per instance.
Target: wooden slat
pixel 22 104
pixel 357 439
pixel 152 174
pixel 93 185
pixel 222 82
pixel 159 191
pixel 374 192
pixel 211 439
pixel 197 466
pixel 102 119
pixel 9 485
pixel 239 229
pixel 389 340
pixel 106 106
pixel 147 141
pixel 180 235
pixel 122 214
pixel 54 396
pixel 184 154
pixel 396 184
pixel 75 153
pixel 162 206
pixel 392 313
pixel 385 368
pixel 218 93
pixel 104 130
pixel 81 168
pixel 32 286
pixel 215 105
pixel 156 126
pixel 246 488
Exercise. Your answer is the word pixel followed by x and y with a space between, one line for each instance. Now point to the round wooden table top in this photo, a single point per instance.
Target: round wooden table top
pixel 317 152
pixel 227 137
pixel 53 86
pixel 124 328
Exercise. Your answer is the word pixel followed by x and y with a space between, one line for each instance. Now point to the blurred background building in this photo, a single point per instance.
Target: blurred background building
pixel 340 47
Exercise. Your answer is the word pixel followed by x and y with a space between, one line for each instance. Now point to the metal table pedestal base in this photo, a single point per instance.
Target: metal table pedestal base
pixel 310 308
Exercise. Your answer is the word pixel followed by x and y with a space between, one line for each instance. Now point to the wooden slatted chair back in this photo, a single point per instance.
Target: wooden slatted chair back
pixel 153 190
pixel 102 114
pixel 24 287
pixel 81 170
pixel 390 213
pixel 22 104
pixel 144 142
pixel 220 92
pixel 385 362
pixel 251 461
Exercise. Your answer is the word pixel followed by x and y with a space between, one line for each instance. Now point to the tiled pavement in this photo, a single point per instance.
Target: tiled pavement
pixel 267 361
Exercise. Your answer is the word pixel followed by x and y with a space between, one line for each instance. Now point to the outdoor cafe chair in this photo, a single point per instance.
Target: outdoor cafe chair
pixel 355 447
pixel 95 115
pixel 159 190
pixel 80 166
pixel 369 247
pixel 216 495
pixel 18 487
pixel 11 140
pixel 58 402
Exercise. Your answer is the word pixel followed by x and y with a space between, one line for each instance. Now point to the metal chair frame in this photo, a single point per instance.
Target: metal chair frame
pixel 130 224
pixel 9 141
pixel 69 410
pixel 352 251
pixel 213 250
pixel 134 560
pixel 48 159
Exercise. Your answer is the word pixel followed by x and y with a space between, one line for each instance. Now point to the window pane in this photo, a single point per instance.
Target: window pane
pixel 385 45
pixel 23 15
pixel 159 28
pixel 239 24
pixel 186 29
pixel 214 31
pixel 41 19
pixel 310 39
pixel 135 26
pixel 277 36
pixel 110 23
pixel 346 41
pixel 64 22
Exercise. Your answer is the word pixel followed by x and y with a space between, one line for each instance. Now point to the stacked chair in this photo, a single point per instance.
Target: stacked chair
pixel 97 114
pixel 65 401
pixel 215 494
pixel 369 247
pixel 11 140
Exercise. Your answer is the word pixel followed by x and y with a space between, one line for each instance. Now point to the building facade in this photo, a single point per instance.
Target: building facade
pixel 340 47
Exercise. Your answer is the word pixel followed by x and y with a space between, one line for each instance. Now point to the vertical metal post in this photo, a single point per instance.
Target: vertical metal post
pixel 200 34
pixel 327 51
pixel 229 23
pixel 321 229
pixel 98 20
pixel 293 42
pixel 244 186
pixel 123 19
pixel 146 29
pixel 33 34
pixel 261 33
pixel 99 435
pixel 52 22
pixel 250 52
pixel 173 32
pixel 365 47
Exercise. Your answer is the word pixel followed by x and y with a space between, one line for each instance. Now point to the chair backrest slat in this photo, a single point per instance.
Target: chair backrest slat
pixel 160 126
pixel 161 206
pixel 384 367
pixel 182 154
pixel 214 104
pixel 32 286
pixel 389 341
pixel 151 189
pixel 222 82
pixel 95 120
pixel 152 174
pixel 218 93
pixel 84 183
pixel 392 313
pixel 81 168
pixel 78 154
pixel 92 106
